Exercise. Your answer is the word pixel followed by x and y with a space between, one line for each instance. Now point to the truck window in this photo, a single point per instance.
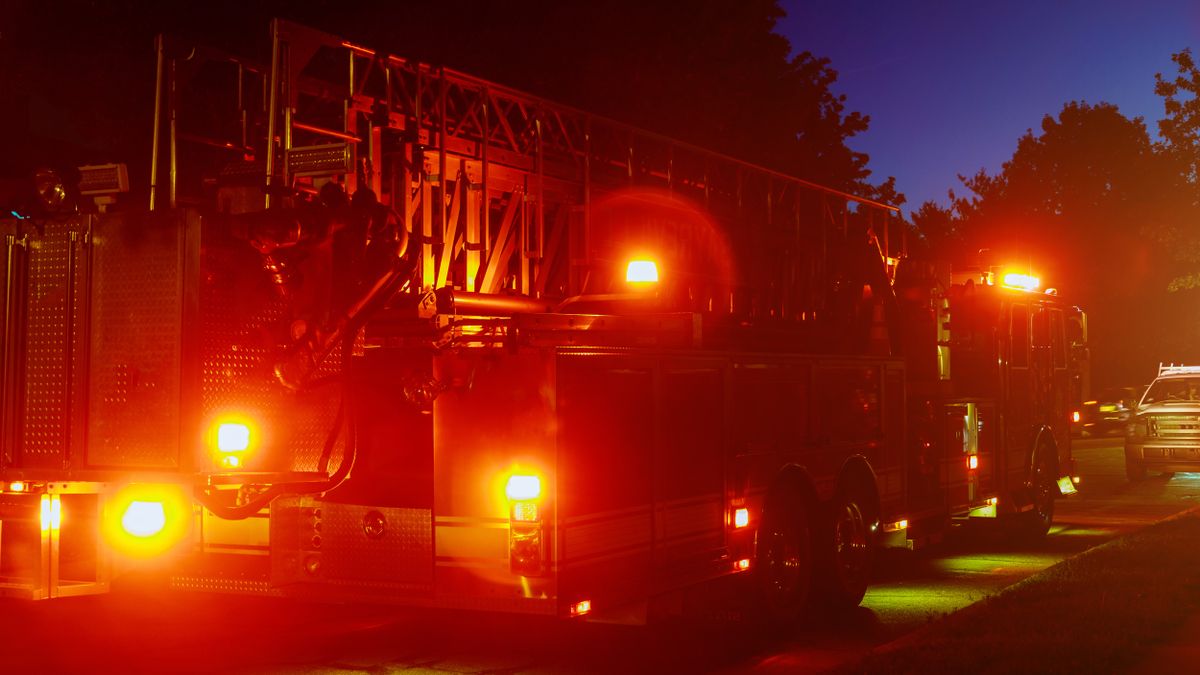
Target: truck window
pixel 1041 328
pixel 1019 335
pixel 1058 342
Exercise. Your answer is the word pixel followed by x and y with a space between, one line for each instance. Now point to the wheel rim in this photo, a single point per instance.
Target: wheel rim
pixel 784 561
pixel 1043 499
pixel 851 546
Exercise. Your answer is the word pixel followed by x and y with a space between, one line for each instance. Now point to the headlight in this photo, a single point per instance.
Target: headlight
pixel 1137 428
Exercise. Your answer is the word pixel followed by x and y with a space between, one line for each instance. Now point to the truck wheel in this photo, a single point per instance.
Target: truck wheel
pixel 1134 470
pixel 783 553
pixel 1035 523
pixel 845 565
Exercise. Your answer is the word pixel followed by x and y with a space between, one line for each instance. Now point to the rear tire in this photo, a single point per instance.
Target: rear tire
pixel 783 557
pixel 1134 470
pixel 1035 523
pixel 846 553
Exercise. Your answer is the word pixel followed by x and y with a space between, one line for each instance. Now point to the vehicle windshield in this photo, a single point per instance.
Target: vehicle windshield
pixel 1174 390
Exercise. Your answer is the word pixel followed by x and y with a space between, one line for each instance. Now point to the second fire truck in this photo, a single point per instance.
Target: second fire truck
pixel 394 333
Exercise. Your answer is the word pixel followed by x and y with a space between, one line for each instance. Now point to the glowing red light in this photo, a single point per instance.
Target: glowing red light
pixel 741 518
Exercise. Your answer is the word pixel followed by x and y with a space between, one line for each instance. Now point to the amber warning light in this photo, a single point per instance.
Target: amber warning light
pixel 232 440
pixel 641 272
pixel 232 437
pixel 1025 282
pixel 145 520
pixel 521 488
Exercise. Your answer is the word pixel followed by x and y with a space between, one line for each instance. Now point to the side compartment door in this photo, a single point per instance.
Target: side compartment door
pixel 606 445
pixel 1018 394
pixel 689 480
pixel 1061 388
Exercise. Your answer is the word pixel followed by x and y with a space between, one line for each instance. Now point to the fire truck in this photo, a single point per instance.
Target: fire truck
pixel 392 333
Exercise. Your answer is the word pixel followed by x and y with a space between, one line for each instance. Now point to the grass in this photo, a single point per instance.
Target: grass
pixel 1097 612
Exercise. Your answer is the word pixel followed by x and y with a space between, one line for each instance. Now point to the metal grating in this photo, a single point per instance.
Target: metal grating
pixel 241 320
pixel 320 541
pixel 403 553
pixel 1175 426
pixel 52 376
pixel 320 160
pixel 137 310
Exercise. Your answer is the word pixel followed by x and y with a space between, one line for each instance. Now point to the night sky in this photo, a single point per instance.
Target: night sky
pixel 951 85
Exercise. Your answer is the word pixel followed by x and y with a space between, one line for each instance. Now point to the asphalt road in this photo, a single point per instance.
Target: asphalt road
pixel 155 632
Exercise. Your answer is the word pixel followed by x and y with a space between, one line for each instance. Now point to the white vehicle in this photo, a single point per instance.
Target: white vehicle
pixel 1164 434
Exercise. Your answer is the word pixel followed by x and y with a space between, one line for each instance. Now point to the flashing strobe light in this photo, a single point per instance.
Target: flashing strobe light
pixel 143 519
pixel 973 462
pixel 1025 282
pixel 896 526
pixel 51 513
pixel 521 488
pixel 641 272
pixel 741 518
pixel 230 440
pixel 1075 416
pixel 580 608
pixel 16 486
pixel 233 437
pixel 146 520
pixel 742 565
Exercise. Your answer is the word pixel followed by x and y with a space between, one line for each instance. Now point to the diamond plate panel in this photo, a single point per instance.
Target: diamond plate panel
pixel 320 541
pixel 52 373
pixel 242 323
pixel 137 315
pixel 223 585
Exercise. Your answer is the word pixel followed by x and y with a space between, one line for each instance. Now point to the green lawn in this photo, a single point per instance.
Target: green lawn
pixel 1097 612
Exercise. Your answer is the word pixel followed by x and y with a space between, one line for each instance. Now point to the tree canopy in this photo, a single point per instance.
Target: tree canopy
pixel 1094 204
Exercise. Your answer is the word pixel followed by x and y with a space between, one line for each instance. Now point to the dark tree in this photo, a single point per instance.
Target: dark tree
pixel 1081 203
pixel 1180 132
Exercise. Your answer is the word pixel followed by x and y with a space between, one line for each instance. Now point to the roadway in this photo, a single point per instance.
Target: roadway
pixel 155 632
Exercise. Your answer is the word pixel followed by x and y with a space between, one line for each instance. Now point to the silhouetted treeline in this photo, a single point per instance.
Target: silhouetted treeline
pixel 1105 213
